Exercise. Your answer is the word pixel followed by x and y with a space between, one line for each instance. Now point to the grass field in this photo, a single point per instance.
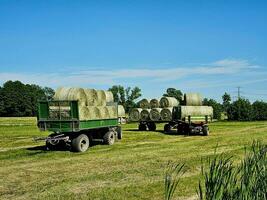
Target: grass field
pixel 133 168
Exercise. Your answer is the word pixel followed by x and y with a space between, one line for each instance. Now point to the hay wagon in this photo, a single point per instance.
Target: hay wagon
pixel 184 124
pixel 62 118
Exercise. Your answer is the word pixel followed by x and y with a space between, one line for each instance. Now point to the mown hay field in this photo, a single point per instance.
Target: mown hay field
pixel 132 168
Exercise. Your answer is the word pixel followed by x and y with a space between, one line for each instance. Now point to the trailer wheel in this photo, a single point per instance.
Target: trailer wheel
pixel 109 138
pixel 205 130
pixel 142 127
pixel 119 133
pixel 152 126
pixel 167 128
pixel 80 143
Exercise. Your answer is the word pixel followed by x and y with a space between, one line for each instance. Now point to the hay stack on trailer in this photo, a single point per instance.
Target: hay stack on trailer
pixel 166 102
pixel 145 115
pixel 193 99
pixel 144 104
pixel 155 114
pixel 135 114
pixel 92 103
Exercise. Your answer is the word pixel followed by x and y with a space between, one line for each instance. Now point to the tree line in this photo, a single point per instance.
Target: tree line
pixel 18 99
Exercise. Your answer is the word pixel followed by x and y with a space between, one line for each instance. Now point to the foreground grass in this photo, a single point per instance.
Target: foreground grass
pixel 131 169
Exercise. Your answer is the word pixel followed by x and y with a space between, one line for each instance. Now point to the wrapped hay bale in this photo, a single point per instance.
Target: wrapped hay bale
pixel 166 102
pixel 144 103
pixel 113 112
pixel 166 114
pixel 91 97
pixel 134 114
pixel 193 99
pixel 155 114
pixel 145 114
pixel 186 111
pixel 154 103
pixel 121 111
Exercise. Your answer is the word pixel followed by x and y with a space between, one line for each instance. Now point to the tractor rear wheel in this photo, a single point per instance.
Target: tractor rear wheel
pixel 80 143
pixel 109 138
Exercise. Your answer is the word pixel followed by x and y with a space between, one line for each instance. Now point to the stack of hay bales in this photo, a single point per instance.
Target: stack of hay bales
pixel 154 110
pixel 93 104
pixel 163 109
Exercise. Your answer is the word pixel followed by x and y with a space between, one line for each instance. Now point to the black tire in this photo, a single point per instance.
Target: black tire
pixel 109 138
pixel 119 133
pixel 205 130
pixel 142 127
pixel 167 128
pixel 179 129
pixel 80 143
pixel 152 126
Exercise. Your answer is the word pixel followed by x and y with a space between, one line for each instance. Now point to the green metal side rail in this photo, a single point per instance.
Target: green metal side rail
pixel 63 116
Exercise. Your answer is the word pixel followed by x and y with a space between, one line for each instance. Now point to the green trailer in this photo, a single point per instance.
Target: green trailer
pixel 62 119
pixel 190 124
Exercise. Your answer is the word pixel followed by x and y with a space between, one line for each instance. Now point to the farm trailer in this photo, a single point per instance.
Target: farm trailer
pixel 184 125
pixel 62 118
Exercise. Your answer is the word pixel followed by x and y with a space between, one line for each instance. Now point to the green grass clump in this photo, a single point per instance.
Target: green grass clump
pixel 173 176
pixel 245 181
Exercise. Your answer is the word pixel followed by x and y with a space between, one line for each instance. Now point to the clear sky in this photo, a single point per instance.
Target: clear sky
pixel 204 46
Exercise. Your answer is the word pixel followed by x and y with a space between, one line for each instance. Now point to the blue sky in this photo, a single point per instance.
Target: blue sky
pixel 198 46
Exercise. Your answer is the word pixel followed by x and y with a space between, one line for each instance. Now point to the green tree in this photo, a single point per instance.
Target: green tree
pixel 49 93
pixel 226 101
pixel 125 97
pixel 18 99
pixel 172 92
pixel 259 110
pixel 217 107
pixel 240 110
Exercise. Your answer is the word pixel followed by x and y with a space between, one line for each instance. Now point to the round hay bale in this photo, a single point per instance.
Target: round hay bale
pixel 166 114
pixel 109 96
pixel 77 94
pixel 113 112
pixel 104 112
pixel 91 97
pixel 155 114
pixel 145 114
pixel 84 113
pixel 166 102
pixel 186 111
pixel 193 99
pixel 101 98
pixel 121 111
pixel 61 93
pixel 144 103
pixel 154 103
pixel 134 114
pixel 94 112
